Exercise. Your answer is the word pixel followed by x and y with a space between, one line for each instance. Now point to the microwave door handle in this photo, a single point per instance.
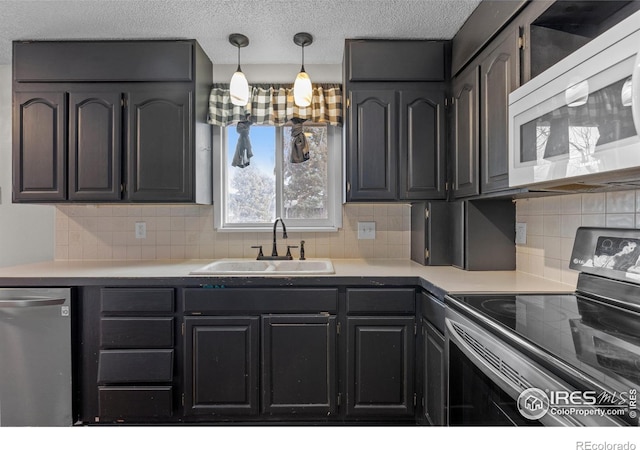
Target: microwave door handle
pixel 30 302
pixel 635 93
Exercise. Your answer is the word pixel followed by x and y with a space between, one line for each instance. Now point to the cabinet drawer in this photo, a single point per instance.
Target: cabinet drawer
pixel 51 61
pixel 433 311
pixel 395 60
pixel 401 300
pixel 128 366
pixel 151 300
pixel 147 332
pixel 257 300
pixel 135 401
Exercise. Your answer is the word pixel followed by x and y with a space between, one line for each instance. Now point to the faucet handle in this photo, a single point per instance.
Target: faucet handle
pixel 302 258
pixel 289 247
pixel 260 254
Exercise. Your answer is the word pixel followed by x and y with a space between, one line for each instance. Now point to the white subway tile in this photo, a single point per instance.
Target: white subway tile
pixel 594 220
pixel 593 203
pixel 551 226
pixel 571 204
pixel 621 202
pixel 552 205
pixel 620 220
pixel 569 224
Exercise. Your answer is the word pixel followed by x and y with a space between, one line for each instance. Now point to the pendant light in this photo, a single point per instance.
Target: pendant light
pixel 302 90
pixel 239 87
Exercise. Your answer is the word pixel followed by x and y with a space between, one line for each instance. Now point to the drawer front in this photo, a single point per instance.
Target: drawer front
pixel 256 301
pixel 135 401
pixel 401 300
pixel 125 332
pixel 150 300
pixel 433 311
pixel 135 366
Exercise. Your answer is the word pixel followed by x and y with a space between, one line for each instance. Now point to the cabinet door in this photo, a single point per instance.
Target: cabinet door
pixel 465 143
pixel 499 75
pixel 434 375
pixel 422 138
pixel 39 146
pixel 221 365
pixel 95 146
pixel 299 365
pixel 372 145
pixel 380 366
pixel 160 146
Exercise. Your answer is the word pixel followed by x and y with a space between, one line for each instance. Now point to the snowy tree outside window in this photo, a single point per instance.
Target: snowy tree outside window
pixel 306 195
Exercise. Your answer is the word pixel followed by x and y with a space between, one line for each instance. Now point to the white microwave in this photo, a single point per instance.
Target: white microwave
pixel 580 119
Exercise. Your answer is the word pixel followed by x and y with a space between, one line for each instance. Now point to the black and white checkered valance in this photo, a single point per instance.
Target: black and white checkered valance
pixel 273 105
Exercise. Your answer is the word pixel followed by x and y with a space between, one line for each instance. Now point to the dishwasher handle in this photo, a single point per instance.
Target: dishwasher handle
pixel 30 302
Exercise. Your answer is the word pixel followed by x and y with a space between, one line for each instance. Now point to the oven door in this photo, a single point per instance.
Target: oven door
pixel 487 378
pixel 577 118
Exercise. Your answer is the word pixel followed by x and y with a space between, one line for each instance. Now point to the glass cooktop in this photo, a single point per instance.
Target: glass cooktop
pixel 598 339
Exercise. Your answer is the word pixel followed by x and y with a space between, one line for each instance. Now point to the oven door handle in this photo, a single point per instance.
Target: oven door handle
pixel 474 350
pixel 30 302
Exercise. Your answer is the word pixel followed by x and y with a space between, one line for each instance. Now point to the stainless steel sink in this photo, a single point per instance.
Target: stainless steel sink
pixel 264 267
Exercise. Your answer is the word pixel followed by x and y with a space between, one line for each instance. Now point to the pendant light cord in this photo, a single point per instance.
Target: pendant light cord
pixel 302 68
pixel 238 70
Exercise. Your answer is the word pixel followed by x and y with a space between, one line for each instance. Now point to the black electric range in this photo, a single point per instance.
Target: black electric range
pixel 591 338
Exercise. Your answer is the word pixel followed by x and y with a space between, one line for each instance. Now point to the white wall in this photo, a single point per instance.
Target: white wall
pixel 26 231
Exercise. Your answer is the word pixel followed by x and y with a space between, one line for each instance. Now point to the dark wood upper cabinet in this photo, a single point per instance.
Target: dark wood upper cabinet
pixel 120 141
pixel 39 146
pixel 499 76
pixel 422 143
pixel 103 61
pixel 373 145
pixel 465 138
pixel 160 156
pixel 95 149
pixel 395 121
pixel 390 60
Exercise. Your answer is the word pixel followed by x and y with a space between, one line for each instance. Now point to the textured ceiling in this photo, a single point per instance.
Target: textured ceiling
pixel 269 24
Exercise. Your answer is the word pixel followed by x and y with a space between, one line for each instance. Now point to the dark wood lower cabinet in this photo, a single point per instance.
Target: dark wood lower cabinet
pixel 221 365
pixel 434 375
pixel 299 365
pixel 193 355
pixel 380 366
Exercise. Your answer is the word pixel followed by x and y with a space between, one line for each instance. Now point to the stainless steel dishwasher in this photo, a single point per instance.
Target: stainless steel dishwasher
pixel 35 357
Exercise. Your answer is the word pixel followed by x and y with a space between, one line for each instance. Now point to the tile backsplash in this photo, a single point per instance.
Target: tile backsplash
pixel 552 223
pixel 107 232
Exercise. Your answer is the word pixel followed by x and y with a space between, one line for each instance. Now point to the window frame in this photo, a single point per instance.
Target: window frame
pixel 334 185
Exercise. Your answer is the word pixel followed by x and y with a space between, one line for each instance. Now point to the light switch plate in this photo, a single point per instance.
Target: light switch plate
pixel 521 232
pixel 366 230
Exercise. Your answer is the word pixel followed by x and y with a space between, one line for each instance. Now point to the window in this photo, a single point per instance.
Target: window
pixel 306 195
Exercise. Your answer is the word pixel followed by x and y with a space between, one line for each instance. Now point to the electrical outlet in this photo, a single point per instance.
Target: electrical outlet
pixel 366 230
pixel 521 232
pixel 141 230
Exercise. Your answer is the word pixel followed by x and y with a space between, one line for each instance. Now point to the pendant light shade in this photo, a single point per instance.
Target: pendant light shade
pixel 302 90
pixel 238 86
pixel 239 89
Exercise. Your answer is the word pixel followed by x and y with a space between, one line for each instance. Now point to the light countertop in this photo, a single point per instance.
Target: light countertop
pixel 446 278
